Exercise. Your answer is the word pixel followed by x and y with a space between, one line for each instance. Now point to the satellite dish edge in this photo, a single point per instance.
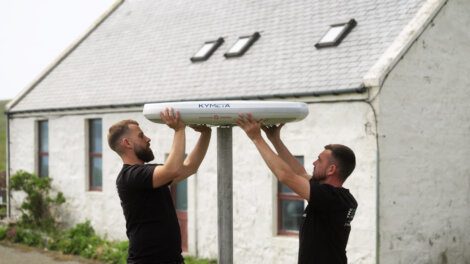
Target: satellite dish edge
pixel 220 113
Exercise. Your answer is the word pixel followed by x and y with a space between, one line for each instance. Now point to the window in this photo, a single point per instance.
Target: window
pixel 43 148
pixel 95 154
pixel 242 45
pixel 336 34
pixel 207 49
pixel 179 193
pixel 290 208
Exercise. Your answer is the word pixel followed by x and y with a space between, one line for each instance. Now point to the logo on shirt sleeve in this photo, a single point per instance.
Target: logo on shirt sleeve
pixel 350 216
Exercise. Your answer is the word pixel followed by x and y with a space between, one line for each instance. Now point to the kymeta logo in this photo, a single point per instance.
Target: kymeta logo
pixel 214 105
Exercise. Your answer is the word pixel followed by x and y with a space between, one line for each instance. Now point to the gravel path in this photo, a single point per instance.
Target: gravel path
pixel 19 254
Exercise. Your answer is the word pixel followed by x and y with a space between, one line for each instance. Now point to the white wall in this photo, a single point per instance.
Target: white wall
pixel 424 136
pixel 254 197
pixel 22 156
pixel 23 144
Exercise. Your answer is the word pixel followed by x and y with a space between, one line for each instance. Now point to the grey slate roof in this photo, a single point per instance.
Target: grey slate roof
pixel 141 52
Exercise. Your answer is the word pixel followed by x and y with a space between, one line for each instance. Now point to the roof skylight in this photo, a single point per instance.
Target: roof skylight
pixel 207 49
pixel 336 34
pixel 242 45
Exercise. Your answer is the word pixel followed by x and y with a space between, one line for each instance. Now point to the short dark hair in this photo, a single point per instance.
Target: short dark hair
pixel 116 132
pixel 345 158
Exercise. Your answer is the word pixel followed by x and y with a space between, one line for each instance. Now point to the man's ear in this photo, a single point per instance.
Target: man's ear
pixel 332 169
pixel 126 143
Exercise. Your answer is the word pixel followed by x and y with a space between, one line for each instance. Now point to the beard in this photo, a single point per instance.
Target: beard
pixel 318 176
pixel 144 154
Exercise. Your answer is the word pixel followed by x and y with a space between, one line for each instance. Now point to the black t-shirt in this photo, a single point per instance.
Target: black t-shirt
pixel 325 229
pixel 151 222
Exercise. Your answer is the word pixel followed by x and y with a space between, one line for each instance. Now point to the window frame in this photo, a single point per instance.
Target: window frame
pixel 216 44
pixel 251 40
pixel 347 27
pixel 92 155
pixel 40 153
pixel 286 197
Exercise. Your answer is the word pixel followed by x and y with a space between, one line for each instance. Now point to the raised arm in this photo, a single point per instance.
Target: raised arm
pixel 276 164
pixel 172 167
pixel 193 161
pixel 273 133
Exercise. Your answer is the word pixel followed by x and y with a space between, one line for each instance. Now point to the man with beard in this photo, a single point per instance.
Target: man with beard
pixel 326 226
pixel 151 222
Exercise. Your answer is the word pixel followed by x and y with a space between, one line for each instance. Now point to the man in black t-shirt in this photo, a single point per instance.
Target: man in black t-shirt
pixel 325 229
pixel 151 222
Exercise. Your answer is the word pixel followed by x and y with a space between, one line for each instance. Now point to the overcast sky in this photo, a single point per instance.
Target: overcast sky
pixel 33 33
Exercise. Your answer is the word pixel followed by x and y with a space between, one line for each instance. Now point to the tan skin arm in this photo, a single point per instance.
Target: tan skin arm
pixel 274 135
pixel 172 167
pixel 195 158
pixel 285 174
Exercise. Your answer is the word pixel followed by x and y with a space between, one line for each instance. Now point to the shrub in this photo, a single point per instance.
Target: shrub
pixel 79 240
pixel 29 237
pixel 192 260
pixel 11 233
pixel 17 234
pixel 36 209
pixel 3 232
pixel 115 252
pixel 37 206
pixel 82 240
pixel 3 211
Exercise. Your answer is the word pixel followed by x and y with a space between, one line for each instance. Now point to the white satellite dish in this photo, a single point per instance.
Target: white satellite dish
pixel 226 112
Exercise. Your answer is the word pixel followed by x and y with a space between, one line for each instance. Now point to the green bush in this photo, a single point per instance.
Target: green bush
pixel 80 240
pixel 191 260
pixel 29 237
pixel 114 252
pixel 3 232
pixel 36 209
pixel 3 211
pixel 17 234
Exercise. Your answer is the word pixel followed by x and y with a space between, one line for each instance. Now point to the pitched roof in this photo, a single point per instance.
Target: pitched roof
pixel 141 52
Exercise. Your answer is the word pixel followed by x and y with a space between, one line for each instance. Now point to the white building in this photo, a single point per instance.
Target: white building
pixel 395 89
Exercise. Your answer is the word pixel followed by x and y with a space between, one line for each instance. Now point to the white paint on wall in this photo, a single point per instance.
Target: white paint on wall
pixel 424 145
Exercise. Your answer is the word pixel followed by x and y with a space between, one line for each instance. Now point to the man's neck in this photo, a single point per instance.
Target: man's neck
pixel 333 181
pixel 131 160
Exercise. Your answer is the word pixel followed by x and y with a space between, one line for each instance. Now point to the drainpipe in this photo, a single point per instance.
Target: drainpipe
pixel 8 166
pixel 377 188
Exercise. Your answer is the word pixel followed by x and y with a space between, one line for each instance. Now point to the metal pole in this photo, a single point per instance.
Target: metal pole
pixel 224 195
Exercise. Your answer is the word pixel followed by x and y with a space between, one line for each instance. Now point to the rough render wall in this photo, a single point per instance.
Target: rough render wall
pixel 23 146
pixel 424 146
pixel 255 238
